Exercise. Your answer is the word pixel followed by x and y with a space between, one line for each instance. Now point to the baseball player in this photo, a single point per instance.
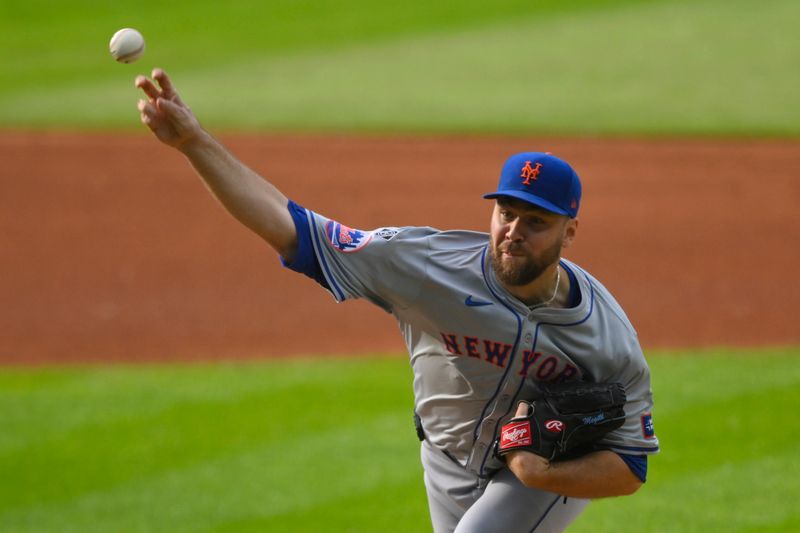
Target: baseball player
pixel 488 320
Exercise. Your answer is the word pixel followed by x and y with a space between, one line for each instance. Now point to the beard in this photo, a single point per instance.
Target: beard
pixel 518 272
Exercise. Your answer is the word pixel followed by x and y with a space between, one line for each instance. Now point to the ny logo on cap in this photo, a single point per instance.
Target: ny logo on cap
pixel 529 172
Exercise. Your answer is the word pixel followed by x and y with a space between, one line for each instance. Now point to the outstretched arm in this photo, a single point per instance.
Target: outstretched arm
pixel 251 199
pixel 595 475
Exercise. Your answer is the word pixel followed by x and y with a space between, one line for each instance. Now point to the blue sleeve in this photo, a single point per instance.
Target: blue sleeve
pixel 305 260
pixel 574 297
pixel 637 464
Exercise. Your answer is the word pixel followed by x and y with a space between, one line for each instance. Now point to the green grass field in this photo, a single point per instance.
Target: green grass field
pixel 702 67
pixel 328 445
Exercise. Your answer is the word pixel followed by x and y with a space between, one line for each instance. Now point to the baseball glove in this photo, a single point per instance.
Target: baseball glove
pixel 565 419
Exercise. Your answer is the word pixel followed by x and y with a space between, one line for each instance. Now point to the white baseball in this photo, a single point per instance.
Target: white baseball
pixel 127 45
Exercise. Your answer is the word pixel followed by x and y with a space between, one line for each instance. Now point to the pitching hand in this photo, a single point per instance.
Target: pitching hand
pixel 165 113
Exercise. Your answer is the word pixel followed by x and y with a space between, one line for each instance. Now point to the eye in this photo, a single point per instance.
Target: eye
pixel 505 214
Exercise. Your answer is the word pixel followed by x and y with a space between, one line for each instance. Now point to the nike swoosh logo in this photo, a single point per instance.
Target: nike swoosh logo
pixel 475 303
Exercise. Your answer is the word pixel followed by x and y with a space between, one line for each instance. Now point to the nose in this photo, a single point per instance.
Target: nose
pixel 514 230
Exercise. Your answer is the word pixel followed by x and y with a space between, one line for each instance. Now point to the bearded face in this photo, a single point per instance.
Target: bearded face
pixel 526 240
pixel 522 266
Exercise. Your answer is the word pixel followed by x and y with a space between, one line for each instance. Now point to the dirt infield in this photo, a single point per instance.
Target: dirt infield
pixel 111 249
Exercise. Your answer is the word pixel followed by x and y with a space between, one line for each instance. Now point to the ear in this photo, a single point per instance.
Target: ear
pixel 570 230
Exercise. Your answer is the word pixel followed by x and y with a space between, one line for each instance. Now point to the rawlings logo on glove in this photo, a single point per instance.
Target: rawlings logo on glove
pixel 556 426
pixel 516 434
pixel 565 418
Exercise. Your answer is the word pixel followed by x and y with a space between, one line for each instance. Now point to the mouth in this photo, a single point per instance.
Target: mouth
pixel 511 251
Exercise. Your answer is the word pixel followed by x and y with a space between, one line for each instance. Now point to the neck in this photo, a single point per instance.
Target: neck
pixel 545 291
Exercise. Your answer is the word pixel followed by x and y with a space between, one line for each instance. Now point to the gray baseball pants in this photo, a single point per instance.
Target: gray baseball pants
pixel 461 502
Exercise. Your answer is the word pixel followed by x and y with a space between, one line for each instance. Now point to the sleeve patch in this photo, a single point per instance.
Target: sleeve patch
pixel 344 239
pixel 648 430
pixel 387 233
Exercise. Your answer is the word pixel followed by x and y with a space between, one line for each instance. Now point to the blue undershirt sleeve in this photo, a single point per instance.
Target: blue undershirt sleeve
pixel 305 260
pixel 574 297
pixel 637 464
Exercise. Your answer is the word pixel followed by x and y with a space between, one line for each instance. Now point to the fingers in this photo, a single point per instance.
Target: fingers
pixel 523 409
pixel 148 87
pixel 167 88
pixel 163 112
pixel 151 110
pixel 163 80
pixel 147 112
pixel 167 106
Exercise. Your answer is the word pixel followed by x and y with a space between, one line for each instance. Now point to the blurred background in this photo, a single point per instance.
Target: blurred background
pixel 583 67
pixel 119 269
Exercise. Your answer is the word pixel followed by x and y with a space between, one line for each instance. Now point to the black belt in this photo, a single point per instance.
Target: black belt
pixel 418 426
pixel 421 437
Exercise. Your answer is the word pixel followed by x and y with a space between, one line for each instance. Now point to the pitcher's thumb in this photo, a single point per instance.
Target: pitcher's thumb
pixel 523 409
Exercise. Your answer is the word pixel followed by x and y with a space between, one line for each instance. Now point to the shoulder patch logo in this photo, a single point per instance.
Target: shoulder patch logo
pixel 387 233
pixel 648 430
pixel 346 239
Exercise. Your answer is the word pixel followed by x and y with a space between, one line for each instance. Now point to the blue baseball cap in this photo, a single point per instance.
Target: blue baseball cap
pixel 540 179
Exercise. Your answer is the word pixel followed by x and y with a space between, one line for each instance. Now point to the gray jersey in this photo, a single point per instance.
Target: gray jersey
pixel 475 349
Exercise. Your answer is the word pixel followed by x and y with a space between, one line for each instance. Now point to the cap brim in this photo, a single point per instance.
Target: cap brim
pixel 530 198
